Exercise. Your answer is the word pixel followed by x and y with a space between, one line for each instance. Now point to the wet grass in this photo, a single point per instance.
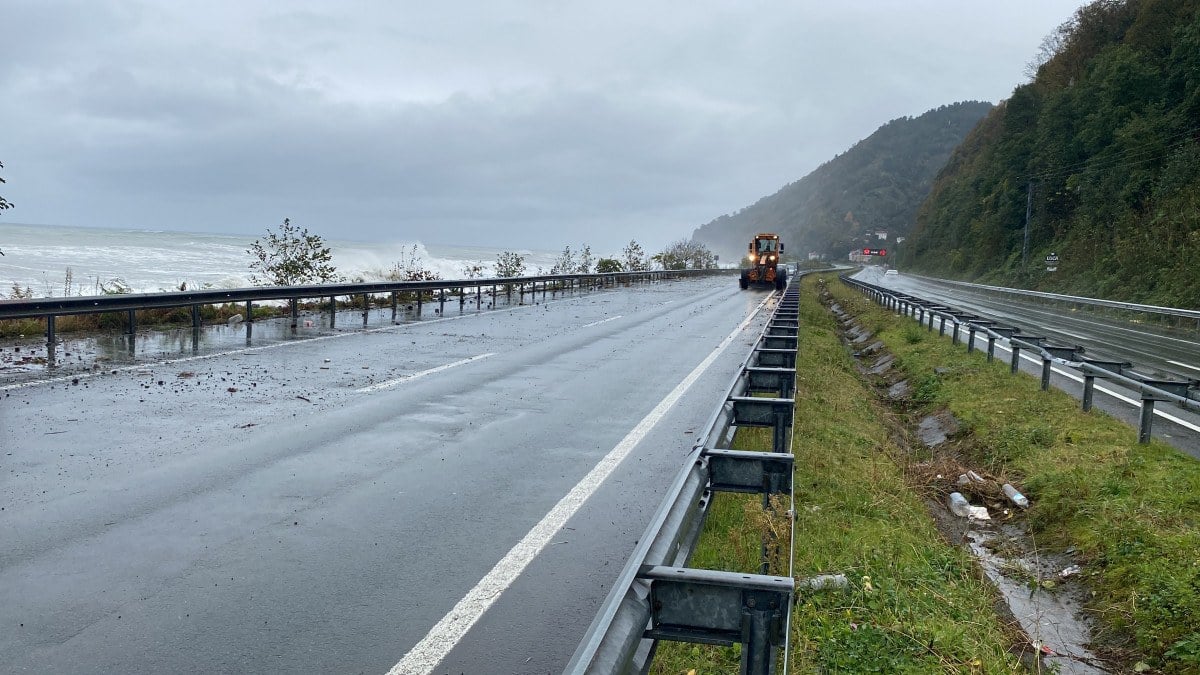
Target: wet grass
pixel 1132 512
pixel 913 604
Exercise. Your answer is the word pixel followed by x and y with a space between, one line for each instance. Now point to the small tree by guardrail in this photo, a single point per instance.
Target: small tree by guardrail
pixel 291 257
pixel 509 264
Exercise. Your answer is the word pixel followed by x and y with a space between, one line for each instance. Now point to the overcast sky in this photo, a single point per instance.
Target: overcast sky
pixel 500 123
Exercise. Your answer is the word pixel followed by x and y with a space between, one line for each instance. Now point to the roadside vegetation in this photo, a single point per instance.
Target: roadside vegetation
pixel 911 602
pixel 1131 512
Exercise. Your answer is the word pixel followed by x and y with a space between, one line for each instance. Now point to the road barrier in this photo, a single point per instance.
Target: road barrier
pixel 657 597
pixel 437 290
pixel 1184 392
pixel 1180 316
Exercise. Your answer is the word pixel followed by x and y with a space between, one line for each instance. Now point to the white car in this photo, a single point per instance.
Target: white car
pixel 892 273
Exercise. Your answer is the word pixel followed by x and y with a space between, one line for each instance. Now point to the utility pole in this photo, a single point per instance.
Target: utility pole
pixel 1028 213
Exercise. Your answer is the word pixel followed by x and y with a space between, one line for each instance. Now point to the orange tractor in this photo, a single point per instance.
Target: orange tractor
pixel 765 250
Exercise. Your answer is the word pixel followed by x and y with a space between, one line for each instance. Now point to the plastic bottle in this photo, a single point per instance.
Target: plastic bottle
pixel 1016 497
pixel 959 505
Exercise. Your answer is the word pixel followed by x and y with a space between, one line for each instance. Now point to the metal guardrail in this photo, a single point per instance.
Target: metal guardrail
pixel 657 597
pixel 1074 299
pixel 49 308
pixel 1184 392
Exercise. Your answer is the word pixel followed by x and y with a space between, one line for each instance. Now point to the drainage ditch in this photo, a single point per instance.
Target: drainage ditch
pixel 1039 590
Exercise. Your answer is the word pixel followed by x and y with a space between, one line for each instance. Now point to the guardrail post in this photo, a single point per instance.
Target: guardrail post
pixel 462 298
pixel 954 333
pixel 1089 385
pixel 991 348
pixel 195 316
pixel 395 301
pixel 479 297
pixel 1147 420
pixel 942 326
pixel 1016 358
pixel 249 311
pixel 295 305
pixel 366 308
pixel 508 294
pixel 970 338
pixel 131 322
pixel 420 299
pixel 1046 363
pixel 50 331
pixel 442 301
pixel 332 311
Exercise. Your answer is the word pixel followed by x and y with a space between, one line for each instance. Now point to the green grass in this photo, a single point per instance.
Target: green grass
pixel 1131 511
pixel 914 603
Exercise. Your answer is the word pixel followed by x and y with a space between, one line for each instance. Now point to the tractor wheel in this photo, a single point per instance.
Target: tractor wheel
pixel 744 282
pixel 781 281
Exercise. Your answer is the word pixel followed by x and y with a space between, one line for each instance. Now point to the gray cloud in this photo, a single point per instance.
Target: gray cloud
pixel 509 124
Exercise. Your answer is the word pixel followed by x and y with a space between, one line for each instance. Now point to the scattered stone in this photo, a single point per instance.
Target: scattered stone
pixel 899 391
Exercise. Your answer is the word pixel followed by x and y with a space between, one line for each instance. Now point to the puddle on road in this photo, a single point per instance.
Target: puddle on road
pixel 29 358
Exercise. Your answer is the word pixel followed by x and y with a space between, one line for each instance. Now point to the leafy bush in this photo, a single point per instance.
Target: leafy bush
pixel 291 256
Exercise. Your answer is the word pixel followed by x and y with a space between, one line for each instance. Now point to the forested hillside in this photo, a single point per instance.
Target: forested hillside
pixel 875 185
pixel 1106 138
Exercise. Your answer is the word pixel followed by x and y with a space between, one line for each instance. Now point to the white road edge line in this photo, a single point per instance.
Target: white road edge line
pixel 425 656
pixel 597 323
pixel 414 376
pixel 1102 390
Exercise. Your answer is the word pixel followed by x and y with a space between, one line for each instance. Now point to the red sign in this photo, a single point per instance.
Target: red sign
pixel 874 251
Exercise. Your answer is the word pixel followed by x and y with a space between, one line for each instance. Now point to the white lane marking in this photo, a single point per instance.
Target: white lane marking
pixel 1133 402
pixel 424 657
pixel 254 350
pixel 597 323
pixel 1177 363
pixel 408 378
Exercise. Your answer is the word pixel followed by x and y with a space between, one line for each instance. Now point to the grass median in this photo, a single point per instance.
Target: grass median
pixel 1131 512
pixel 912 603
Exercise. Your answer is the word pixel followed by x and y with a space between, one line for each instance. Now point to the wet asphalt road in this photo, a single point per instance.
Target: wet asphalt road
pixel 1158 352
pixel 317 505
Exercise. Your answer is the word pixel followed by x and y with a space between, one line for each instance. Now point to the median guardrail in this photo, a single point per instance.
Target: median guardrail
pixel 1182 391
pixel 657 597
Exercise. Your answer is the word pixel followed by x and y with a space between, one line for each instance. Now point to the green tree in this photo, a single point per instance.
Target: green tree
pixel 290 257
pixel 608 265
pixel 509 264
pixel 635 257
pixel 585 260
pixel 686 254
pixel 565 263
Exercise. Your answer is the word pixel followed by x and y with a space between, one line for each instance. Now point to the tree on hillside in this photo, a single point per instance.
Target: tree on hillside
pixel 291 257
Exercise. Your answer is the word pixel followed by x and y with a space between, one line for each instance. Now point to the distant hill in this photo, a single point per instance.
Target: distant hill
pixel 1106 135
pixel 875 185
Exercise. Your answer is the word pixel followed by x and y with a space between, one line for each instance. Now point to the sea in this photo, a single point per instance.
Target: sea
pixel 56 261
